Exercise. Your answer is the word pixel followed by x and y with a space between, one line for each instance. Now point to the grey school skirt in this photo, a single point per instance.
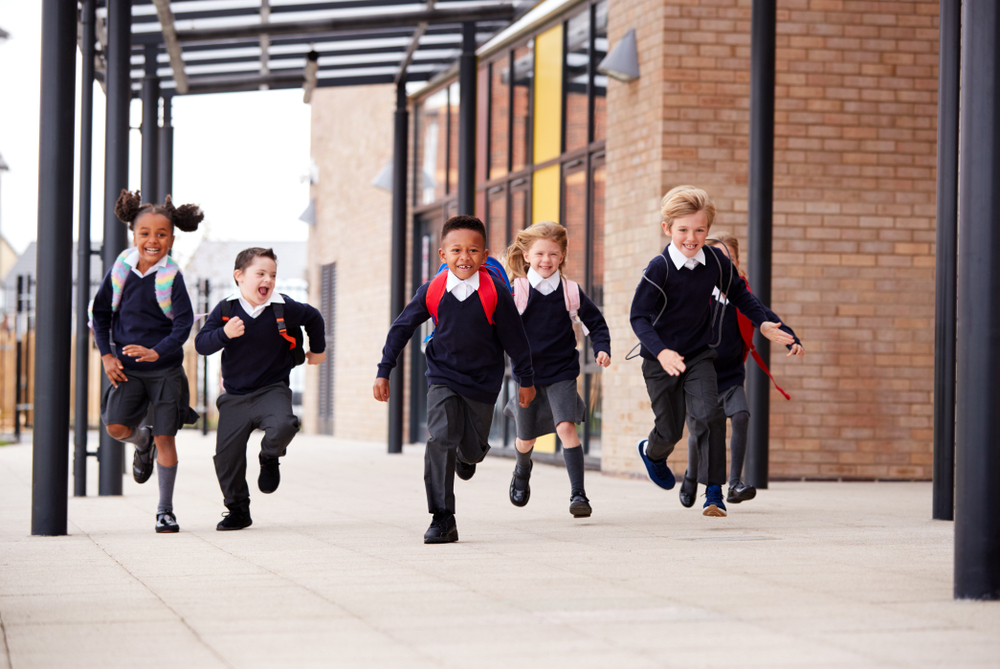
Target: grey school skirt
pixel 554 404
pixel 733 400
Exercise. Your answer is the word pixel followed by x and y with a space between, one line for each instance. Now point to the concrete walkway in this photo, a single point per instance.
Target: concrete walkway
pixel 334 573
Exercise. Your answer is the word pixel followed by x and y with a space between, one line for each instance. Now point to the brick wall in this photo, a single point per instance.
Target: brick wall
pixel 854 213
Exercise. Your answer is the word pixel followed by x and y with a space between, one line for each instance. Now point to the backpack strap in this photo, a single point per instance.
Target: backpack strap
pixel 226 308
pixel 279 316
pixel 119 273
pixel 164 286
pixel 521 289
pixel 488 294
pixel 435 291
pixel 571 293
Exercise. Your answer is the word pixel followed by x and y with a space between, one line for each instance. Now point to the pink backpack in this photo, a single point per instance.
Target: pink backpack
pixel 571 293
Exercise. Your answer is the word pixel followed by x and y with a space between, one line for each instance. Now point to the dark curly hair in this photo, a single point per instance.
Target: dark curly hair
pixel 463 222
pixel 129 208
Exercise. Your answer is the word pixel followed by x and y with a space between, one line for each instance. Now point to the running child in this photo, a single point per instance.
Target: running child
pixel 730 371
pixel 550 304
pixel 141 317
pixel 259 333
pixel 476 321
pixel 673 316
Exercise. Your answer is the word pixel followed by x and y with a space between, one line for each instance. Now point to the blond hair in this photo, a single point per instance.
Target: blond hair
pixel 516 262
pixel 731 243
pixel 683 201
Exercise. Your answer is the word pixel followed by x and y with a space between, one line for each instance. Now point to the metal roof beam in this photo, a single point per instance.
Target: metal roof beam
pixel 166 18
pixel 414 45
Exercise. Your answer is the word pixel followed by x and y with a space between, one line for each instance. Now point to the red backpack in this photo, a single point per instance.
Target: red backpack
pixel 487 293
pixel 746 331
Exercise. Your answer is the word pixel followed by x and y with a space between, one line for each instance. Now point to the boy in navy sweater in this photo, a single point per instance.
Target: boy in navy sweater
pixel 674 318
pixel 256 362
pixel 476 321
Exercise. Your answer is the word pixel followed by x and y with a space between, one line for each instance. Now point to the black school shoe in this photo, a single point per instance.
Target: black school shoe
pixel 166 522
pixel 740 492
pixel 143 459
pixel 269 477
pixel 579 505
pixel 689 490
pixel 519 496
pixel 443 529
pixel 237 518
pixel 464 471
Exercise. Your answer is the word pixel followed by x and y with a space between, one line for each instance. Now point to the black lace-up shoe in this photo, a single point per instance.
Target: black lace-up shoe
pixel 689 490
pixel 740 492
pixel 464 471
pixel 166 522
pixel 237 518
pixel 579 505
pixel 520 491
pixel 269 477
pixel 144 457
pixel 442 530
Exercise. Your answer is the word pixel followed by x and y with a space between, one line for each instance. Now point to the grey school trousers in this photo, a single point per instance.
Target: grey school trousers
pixel 268 409
pixel 458 428
pixel 695 393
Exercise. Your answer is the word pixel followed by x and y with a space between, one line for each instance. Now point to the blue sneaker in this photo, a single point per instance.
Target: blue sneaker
pixel 714 506
pixel 658 471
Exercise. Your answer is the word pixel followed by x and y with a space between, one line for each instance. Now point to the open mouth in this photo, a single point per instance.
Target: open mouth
pixel 150 251
pixel 463 268
pixel 263 291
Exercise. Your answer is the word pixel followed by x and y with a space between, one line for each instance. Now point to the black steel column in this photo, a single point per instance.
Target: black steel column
pixel 166 151
pixel 150 128
pixel 761 197
pixel 111 452
pixel 467 122
pixel 949 74
pixel 19 365
pixel 87 37
pixel 398 297
pixel 54 297
pixel 977 506
pixel 206 308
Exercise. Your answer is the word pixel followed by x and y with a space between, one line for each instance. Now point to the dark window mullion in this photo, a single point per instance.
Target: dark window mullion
pixel 447 141
pixel 591 50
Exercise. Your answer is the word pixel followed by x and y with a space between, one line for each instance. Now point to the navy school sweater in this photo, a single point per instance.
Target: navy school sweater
pixel 466 352
pixel 554 357
pixel 260 357
pixel 730 368
pixel 685 325
pixel 140 321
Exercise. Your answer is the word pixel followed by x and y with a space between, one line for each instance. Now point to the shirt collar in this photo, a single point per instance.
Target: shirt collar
pixel 133 262
pixel 680 260
pixel 537 279
pixel 454 281
pixel 253 311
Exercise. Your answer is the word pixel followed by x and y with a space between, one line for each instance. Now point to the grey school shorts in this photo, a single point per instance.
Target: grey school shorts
pixel 733 400
pixel 163 394
pixel 553 404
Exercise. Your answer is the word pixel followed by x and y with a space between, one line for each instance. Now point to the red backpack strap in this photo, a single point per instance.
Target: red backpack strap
pixel 746 331
pixel 279 316
pixel 225 307
pixel 435 291
pixel 487 294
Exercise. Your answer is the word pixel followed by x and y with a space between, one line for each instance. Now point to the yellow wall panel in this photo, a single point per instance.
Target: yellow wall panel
pixel 548 95
pixel 545 195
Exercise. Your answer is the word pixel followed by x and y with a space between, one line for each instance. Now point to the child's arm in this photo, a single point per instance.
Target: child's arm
pixel 310 319
pixel 600 335
pixel 646 305
pixel 213 335
pixel 102 316
pixel 179 333
pixel 399 334
pixel 510 330
pixel 795 348
pixel 750 306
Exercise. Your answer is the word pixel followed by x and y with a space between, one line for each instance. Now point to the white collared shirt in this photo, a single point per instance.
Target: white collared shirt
pixel 541 284
pixel 462 288
pixel 133 261
pixel 252 311
pixel 681 260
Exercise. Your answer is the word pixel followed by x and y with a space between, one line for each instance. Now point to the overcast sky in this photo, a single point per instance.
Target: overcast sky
pixel 242 156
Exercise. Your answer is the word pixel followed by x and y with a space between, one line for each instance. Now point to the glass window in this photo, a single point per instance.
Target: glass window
pixel 497 222
pixel 499 117
pixel 524 71
pixel 600 80
pixel 597 236
pixel 520 215
pixel 453 97
pixel 576 59
pixel 433 146
pixel 575 220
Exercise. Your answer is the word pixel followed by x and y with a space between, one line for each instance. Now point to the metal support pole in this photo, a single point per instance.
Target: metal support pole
pixel 87 37
pixel 111 453
pixel 949 74
pixel 206 308
pixel 54 300
pixel 761 197
pixel 150 128
pixel 18 365
pixel 166 152
pixel 977 507
pixel 398 296
pixel 467 122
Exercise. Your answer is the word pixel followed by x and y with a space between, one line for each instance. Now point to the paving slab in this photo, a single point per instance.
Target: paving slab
pixel 333 573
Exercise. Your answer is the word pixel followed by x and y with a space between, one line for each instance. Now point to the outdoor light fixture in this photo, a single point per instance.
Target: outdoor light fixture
pixel 622 62
pixel 312 75
pixel 384 178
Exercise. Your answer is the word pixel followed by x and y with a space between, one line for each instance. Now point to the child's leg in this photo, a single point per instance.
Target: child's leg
pixel 666 395
pixel 692 467
pixel 166 471
pixel 572 455
pixel 235 426
pixel 706 420
pixel 273 411
pixel 738 446
pixel 445 428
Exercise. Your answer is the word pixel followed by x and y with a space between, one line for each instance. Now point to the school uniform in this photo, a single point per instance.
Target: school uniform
pixel 554 357
pixel 465 370
pixel 684 324
pixel 255 376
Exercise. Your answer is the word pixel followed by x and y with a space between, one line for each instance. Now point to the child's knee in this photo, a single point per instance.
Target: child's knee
pixel 741 420
pixel 566 431
pixel 118 432
pixel 285 429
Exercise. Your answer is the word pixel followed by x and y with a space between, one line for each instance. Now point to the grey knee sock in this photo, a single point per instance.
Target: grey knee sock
pixel 692 466
pixel 167 476
pixel 738 446
pixel 523 466
pixel 574 467
pixel 139 437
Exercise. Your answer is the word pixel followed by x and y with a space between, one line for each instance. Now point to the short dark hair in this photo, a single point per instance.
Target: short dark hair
pixel 463 222
pixel 245 258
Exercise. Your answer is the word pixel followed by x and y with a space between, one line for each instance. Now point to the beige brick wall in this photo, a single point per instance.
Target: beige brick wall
pixel 854 213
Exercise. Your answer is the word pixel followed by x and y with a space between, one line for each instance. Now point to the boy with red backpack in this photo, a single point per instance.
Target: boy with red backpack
pixel 476 321
pixel 259 333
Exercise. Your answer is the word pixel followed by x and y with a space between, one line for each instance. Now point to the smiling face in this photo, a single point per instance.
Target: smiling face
pixel 544 257
pixel 464 251
pixel 153 235
pixel 256 280
pixel 688 233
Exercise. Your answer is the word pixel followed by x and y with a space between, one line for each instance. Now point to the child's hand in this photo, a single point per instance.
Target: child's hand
pixel 603 359
pixel 315 358
pixel 140 353
pixel 771 331
pixel 525 395
pixel 797 349
pixel 113 369
pixel 234 327
pixel 381 390
pixel 671 362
